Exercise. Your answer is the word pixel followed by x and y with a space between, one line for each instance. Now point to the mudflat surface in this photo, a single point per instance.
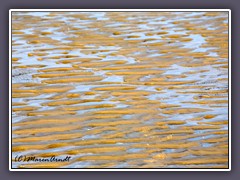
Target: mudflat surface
pixel 120 89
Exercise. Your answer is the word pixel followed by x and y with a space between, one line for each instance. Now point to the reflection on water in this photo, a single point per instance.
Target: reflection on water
pixel 120 89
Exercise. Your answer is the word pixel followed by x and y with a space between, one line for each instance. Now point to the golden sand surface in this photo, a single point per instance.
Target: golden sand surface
pixel 120 89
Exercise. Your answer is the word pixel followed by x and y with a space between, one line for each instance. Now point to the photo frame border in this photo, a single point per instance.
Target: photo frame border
pixel 120 169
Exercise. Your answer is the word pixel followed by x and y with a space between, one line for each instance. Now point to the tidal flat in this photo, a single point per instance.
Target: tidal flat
pixel 120 89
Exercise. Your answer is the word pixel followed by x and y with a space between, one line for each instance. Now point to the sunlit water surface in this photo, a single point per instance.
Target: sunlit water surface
pixel 120 90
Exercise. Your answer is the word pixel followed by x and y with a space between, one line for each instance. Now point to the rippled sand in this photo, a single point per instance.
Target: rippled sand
pixel 120 89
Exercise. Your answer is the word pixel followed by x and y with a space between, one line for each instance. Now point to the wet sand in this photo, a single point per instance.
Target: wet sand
pixel 120 89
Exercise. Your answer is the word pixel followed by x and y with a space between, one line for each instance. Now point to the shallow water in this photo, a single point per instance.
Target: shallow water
pixel 120 90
